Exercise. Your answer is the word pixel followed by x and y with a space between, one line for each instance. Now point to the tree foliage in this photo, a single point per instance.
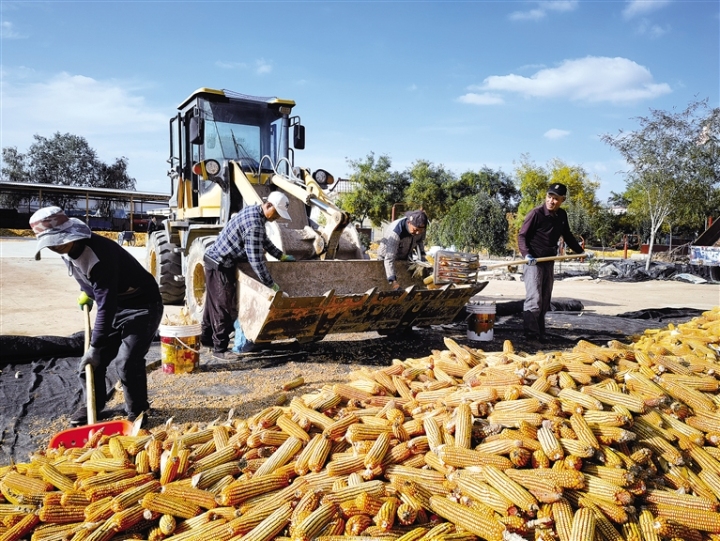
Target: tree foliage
pixel 474 223
pixel 376 189
pixel 66 160
pixel 429 189
pixel 673 159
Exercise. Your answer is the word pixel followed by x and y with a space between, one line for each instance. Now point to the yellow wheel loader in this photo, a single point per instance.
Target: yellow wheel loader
pixel 228 150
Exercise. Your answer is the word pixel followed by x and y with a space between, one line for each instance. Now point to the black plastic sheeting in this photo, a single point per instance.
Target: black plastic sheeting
pixel 39 380
pixel 634 271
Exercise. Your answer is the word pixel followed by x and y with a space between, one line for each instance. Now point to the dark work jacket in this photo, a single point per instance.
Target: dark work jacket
pixel 111 276
pixel 541 231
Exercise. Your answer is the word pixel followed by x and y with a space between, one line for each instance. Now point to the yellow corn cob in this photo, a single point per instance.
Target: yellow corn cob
pixel 211 476
pixel 463 426
pixel 572 397
pixel 711 481
pixel 167 524
pixel 583 430
pixel 142 462
pixel 346 465
pixel 126 519
pixel 221 437
pixel 202 498
pixel 459 457
pixel 291 428
pixel 50 474
pixel 466 518
pixel 681 501
pixel 543 489
pixel 314 522
pixel 691 517
pixel 303 457
pixel 20 529
pixel 403 389
pixel 242 490
pixel 271 526
pixel 315 417
pixel 99 510
pixel 385 517
pixel 372 488
pixel 169 470
pixel 24 484
pixel 562 515
pixel 58 514
pixel 376 454
pixel 512 490
pixel 218 458
pixel 602 525
pixel 168 505
pixel 113 489
pixel 583 525
pixel 105 479
pixel 607 491
pixel 550 444
pixel 616 476
pixel 631 530
pixel 133 495
pixel 698 401
pixel 514 420
pixel 282 456
pixel 357 524
pixel 611 398
pixel 614 512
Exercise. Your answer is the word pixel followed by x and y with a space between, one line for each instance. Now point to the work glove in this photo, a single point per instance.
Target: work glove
pixel 91 357
pixel 530 260
pixel 275 287
pixel 589 254
pixel 287 257
pixel 83 300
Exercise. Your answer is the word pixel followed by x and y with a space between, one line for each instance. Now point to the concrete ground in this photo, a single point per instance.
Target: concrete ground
pixel 38 297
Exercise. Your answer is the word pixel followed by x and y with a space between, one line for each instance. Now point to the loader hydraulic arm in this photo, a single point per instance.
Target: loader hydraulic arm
pixel 312 195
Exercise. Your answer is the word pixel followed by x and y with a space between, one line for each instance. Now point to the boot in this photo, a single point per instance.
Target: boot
pixel 530 324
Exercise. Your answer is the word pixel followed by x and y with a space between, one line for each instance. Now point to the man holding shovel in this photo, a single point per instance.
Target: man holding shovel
pixel 128 300
pixel 538 237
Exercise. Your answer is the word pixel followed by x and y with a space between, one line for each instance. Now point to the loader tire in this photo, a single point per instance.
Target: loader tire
pixel 164 264
pixel 195 276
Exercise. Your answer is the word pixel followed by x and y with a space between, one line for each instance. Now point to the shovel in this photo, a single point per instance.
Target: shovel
pixel 78 437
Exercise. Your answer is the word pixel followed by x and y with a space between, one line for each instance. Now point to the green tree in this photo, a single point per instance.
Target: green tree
pixel 475 222
pixel 66 160
pixel 376 189
pixel 668 157
pixel 429 189
pixel 581 205
pixel 497 184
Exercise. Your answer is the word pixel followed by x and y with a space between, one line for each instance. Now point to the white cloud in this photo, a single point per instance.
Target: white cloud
pixel 646 28
pixel 485 98
pixel 7 31
pixel 262 67
pixel 540 12
pixel 556 134
pixel 591 79
pixel 230 65
pixel 641 7
pixel 111 115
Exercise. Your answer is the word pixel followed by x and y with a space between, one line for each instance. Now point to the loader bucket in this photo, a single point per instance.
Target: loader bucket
pixel 341 296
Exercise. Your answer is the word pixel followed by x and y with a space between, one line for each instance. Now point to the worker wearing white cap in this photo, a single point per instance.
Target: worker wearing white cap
pixel 129 306
pixel 242 239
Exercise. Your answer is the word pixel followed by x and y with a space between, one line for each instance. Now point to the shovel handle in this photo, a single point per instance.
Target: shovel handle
pixel 89 379
pixel 539 260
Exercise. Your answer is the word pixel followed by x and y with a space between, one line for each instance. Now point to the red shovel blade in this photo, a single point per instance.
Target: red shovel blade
pixel 78 437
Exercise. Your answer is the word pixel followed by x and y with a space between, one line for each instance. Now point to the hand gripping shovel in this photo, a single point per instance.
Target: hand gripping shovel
pixel 78 437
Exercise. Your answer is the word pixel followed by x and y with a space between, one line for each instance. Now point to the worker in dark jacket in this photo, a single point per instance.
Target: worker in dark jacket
pixel 242 239
pixel 129 306
pixel 401 239
pixel 538 237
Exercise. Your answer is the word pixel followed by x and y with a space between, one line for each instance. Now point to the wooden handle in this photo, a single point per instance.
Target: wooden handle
pixel 515 262
pixel 89 379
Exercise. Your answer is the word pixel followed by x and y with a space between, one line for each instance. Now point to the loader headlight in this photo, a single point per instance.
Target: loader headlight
pixel 206 169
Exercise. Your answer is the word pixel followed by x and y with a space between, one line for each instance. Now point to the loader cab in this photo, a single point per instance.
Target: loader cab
pixel 225 126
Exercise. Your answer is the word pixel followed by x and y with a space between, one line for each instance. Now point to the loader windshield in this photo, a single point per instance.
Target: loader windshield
pixel 243 133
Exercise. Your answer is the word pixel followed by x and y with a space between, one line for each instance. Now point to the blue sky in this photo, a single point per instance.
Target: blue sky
pixel 460 84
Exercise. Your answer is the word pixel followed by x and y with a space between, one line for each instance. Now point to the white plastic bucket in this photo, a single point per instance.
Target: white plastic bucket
pixel 481 321
pixel 180 348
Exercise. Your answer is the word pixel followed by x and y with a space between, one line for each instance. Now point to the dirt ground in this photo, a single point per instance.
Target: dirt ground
pixel 38 298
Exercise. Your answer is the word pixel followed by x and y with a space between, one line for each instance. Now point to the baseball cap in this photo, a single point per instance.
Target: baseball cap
pixel 281 204
pixel 558 189
pixel 418 218
pixel 53 227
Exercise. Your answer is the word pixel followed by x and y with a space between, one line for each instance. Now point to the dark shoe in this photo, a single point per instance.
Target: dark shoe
pixel 225 356
pixel 79 418
pixel 248 347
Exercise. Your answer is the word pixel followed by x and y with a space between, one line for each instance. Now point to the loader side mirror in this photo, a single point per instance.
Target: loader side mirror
pixel 197 130
pixel 299 136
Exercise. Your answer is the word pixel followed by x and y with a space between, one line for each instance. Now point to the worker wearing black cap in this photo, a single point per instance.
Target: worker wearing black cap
pixel 538 237
pixel 402 237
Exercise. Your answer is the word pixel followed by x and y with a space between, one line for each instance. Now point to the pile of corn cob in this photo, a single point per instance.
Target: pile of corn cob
pixel 608 443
